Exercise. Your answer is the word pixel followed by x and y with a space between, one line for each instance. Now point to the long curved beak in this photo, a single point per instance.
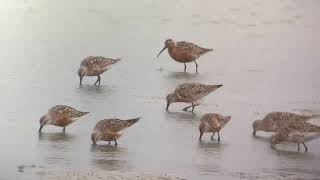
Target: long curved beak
pixel 41 126
pixel 165 47
pixel 167 108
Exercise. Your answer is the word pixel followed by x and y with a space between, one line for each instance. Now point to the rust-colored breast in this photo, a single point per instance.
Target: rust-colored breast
pixel 63 121
pixel 181 56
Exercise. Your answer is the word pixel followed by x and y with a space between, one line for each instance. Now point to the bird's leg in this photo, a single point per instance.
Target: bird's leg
pixel 192 107
pixel 115 142
pixel 298 146
pixel 185 67
pixel 218 136
pixel 64 129
pixel 186 108
pixel 212 136
pixel 305 147
pixel 80 81
pixel 108 142
pixel 98 80
pixel 196 65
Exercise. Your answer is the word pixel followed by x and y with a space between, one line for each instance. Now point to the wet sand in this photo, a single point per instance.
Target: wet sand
pixel 34 173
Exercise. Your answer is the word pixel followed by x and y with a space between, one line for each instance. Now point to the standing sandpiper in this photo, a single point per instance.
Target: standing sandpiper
pixel 190 93
pixel 110 129
pixel 297 132
pixel 212 123
pixel 274 120
pixel 184 52
pixel 95 66
pixel 60 115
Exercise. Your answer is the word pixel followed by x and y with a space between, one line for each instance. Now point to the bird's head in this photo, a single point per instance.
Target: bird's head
pixel 256 126
pixel 168 43
pixel 81 73
pixel 95 137
pixel 44 120
pixel 170 99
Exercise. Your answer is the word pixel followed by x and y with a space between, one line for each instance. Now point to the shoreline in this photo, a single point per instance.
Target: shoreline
pixel 33 172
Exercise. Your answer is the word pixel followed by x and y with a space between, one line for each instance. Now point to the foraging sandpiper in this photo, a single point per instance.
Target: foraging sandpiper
pixel 274 120
pixel 190 93
pixel 184 52
pixel 298 132
pixel 212 123
pixel 60 115
pixel 95 66
pixel 110 129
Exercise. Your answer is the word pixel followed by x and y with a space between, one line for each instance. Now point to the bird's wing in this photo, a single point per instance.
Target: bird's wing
pixel 213 119
pixel 192 48
pixel 113 125
pixel 62 111
pixel 191 90
pixel 98 62
pixel 284 118
pixel 188 47
pixel 304 127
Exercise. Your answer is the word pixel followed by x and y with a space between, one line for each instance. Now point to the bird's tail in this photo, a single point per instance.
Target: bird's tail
pixel 205 50
pixel 84 113
pixel 214 87
pixel 315 116
pixel 116 60
pixel 130 122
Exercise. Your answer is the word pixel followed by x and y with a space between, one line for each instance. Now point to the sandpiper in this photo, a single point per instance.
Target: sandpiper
pixel 60 115
pixel 274 120
pixel 212 123
pixel 297 132
pixel 184 52
pixel 95 66
pixel 190 93
pixel 110 129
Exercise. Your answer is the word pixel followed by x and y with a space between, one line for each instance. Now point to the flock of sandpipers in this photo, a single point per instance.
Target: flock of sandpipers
pixel 288 127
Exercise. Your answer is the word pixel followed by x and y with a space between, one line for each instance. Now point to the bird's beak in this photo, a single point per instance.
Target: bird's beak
pixel 80 81
pixel 167 108
pixel 273 146
pixel 93 139
pixel 201 133
pixel 41 126
pixel 165 47
pixel 254 133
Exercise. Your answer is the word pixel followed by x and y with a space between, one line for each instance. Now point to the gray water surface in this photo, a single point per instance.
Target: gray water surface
pixel 266 53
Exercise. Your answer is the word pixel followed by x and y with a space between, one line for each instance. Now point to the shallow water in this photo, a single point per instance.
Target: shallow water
pixel 266 53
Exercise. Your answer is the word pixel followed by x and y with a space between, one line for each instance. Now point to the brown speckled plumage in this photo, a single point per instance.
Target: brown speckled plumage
pixel 111 129
pixel 95 66
pixel 184 52
pixel 296 132
pixel 190 93
pixel 60 115
pixel 274 120
pixel 213 123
